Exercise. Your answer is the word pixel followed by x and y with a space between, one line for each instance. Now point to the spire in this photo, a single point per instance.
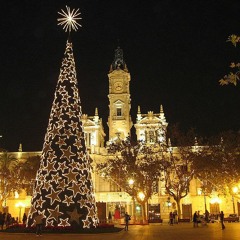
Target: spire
pixel 170 149
pixel 20 147
pixel 139 115
pixel 196 141
pixel 161 109
pixel 162 116
pixel 96 117
pixel 169 142
pixel 63 192
pixel 118 62
pixel 139 110
pixel 96 111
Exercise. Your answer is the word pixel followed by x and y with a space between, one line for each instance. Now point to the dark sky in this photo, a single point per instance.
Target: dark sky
pixel 176 52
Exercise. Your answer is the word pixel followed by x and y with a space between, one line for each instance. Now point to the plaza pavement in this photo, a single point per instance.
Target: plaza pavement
pixel 182 231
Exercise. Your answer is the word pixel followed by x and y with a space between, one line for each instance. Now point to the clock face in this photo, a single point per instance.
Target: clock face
pixel 118 86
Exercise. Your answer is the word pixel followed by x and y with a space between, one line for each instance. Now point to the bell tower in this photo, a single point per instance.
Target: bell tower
pixel 119 119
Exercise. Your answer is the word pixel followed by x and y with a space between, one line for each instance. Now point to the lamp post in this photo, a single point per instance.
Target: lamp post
pixel 169 204
pixel 131 182
pixel 142 196
pixel 235 190
pixel 20 205
pixel 205 202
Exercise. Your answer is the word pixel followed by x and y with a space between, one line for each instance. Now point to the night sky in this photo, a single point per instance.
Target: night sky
pixel 176 51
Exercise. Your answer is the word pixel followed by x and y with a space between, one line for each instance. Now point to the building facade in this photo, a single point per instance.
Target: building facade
pixel 149 127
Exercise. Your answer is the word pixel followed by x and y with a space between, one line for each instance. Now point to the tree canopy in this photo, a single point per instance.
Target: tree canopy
pixel 234 76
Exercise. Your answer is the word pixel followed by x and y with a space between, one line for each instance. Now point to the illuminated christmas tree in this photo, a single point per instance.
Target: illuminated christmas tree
pixel 63 191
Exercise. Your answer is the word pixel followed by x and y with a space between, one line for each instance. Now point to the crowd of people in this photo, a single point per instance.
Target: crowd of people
pixel 206 218
pixel 173 218
pixel 6 220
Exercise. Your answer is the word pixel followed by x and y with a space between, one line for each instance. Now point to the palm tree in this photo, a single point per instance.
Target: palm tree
pixel 28 171
pixel 8 176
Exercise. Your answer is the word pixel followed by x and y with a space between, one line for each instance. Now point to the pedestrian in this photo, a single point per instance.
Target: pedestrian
pixel 109 217
pixel 38 222
pixel 175 217
pixel 127 219
pixel 1 220
pixel 171 218
pixel 195 219
pixel 24 219
pixel 222 219
pixel 8 220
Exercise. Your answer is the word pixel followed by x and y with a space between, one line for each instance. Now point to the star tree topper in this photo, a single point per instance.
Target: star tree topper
pixel 69 19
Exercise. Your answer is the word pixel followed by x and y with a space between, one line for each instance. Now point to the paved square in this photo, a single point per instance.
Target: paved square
pixel 183 231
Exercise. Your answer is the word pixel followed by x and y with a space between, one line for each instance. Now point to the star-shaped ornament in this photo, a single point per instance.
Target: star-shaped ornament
pixel 67 153
pixel 68 132
pixel 71 175
pixel 61 184
pixel 47 185
pixel 82 202
pixel 74 215
pixel 62 166
pixel 73 125
pixel 74 188
pixel 71 113
pixel 61 142
pixel 78 144
pixel 40 202
pixel 51 156
pixel 86 223
pixel 68 200
pixel 64 222
pixel 47 147
pixel 50 167
pixel 49 223
pixel 54 196
pixel 54 131
pixel 54 213
pixel 91 212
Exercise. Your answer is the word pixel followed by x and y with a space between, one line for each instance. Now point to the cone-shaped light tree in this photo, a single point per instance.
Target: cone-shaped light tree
pixel 63 192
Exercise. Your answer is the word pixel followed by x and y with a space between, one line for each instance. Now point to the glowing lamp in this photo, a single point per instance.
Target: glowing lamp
pixel 141 195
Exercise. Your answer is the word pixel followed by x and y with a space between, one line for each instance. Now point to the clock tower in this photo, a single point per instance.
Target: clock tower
pixel 119 119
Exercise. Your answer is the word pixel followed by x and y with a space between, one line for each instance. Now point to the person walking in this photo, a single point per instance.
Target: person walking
pixel 39 222
pixel 1 220
pixel 126 218
pixel 222 220
pixel 195 219
pixel 171 218
pixel 24 219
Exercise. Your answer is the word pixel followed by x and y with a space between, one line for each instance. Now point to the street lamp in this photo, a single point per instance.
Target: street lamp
pixel 169 204
pixel 235 190
pixel 141 195
pixel 20 205
pixel 131 182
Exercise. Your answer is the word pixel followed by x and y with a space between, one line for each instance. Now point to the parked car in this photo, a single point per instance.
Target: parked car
pixel 232 218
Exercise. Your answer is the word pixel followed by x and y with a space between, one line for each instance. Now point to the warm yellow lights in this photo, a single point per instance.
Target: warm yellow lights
pixel 20 205
pixel 199 191
pixel 131 182
pixel 141 196
pixel 215 200
pixel 16 195
pixel 235 189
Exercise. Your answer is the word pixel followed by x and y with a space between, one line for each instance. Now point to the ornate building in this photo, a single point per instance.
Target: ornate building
pixel 149 127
